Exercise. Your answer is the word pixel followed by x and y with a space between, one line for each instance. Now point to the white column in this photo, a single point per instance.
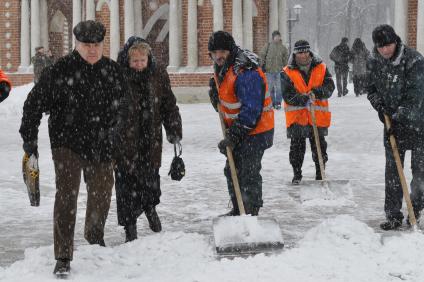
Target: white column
pixel 420 27
pixel 35 25
pixel 25 44
pixel 218 15
pixel 114 29
pixel 282 17
pixel 138 18
pixel 248 24
pixel 192 59
pixel 237 26
pixel 273 16
pixel 128 18
pixel 76 15
pixel 90 10
pixel 401 19
pixel 174 32
pixel 44 24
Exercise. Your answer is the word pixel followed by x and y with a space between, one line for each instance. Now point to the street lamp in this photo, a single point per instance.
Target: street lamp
pixel 291 21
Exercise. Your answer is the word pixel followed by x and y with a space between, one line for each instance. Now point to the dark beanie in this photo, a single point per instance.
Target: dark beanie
pixel 384 35
pixel 345 40
pixel 89 31
pixel 221 40
pixel 275 33
pixel 301 46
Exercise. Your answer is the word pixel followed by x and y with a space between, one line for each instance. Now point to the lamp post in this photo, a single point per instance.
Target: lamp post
pixel 291 21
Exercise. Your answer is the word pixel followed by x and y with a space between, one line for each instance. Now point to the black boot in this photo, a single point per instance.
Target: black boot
pixel 297 176
pixel 153 218
pixel 391 224
pixel 130 232
pixel 62 268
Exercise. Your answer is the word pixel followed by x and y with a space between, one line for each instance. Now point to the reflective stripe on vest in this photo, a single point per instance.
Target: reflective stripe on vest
pixel 230 105
pixel 301 114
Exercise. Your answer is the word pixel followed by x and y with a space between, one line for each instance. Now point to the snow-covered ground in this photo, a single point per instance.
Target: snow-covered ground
pixel 324 242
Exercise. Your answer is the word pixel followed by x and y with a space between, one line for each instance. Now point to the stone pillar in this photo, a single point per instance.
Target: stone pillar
pixel 237 22
pixel 248 24
pixel 114 29
pixel 25 43
pixel 218 15
pixel 282 17
pixel 44 24
pixel 273 17
pixel 35 25
pixel 138 18
pixel 90 10
pixel 76 15
pixel 401 19
pixel 420 27
pixel 192 50
pixel 174 33
pixel 128 18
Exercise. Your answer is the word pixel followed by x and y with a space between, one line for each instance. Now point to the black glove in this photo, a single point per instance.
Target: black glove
pixel 4 90
pixel 222 145
pixel 305 99
pixel 31 148
pixel 237 132
pixel 213 94
pixel 173 139
pixel 318 92
pixel 377 104
pixel 177 169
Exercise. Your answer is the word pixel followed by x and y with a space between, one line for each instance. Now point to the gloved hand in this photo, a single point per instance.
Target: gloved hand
pixel 305 99
pixel 318 92
pixel 4 90
pixel 222 145
pixel 213 94
pixel 31 148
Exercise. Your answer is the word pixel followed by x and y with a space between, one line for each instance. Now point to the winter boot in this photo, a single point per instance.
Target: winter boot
pixel 62 268
pixel 391 224
pixel 297 176
pixel 130 232
pixel 153 218
pixel 255 211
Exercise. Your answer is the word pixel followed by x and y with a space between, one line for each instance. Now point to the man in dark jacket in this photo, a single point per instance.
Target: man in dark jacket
pixel 341 56
pixel 306 76
pixel 395 87
pixel 82 93
pixel 5 86
pixel 238 89
pixel 40 61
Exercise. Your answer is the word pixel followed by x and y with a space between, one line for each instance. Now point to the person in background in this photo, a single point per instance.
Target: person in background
pixel 5 86
pixel 273 57
pixel 359 57
pixel 341 56
pixel 151 104
pixel 40 61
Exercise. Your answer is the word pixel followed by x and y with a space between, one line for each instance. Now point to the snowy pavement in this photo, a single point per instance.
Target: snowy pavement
pixel 324 242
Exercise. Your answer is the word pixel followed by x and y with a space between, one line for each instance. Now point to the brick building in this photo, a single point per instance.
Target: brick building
pixel 178 30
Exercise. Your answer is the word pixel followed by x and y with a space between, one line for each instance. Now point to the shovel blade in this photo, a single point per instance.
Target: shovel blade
pixel 237 235
pixel 326 192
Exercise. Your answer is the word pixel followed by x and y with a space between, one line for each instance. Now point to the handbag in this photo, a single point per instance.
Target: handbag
pixel 177 169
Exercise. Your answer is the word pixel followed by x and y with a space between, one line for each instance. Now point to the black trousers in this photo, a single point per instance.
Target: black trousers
pixel 135 192
pixel 341 80
pixel 358 84
pixel 247 160
pixel 298 149
pixel 394 193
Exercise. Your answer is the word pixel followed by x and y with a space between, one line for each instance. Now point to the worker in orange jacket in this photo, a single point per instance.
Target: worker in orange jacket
pixel 5 86
pixel 305 81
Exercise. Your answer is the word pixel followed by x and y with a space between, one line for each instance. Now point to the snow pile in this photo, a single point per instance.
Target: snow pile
pixel 12 106
pixel 338 249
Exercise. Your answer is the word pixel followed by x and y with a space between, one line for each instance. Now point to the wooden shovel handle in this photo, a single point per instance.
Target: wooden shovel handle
pixel 399 167
pixel 316 138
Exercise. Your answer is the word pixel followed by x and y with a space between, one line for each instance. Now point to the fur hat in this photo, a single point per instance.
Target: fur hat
pixel 89 31
pixel 384 35
pixel 301 46
pixel 221 40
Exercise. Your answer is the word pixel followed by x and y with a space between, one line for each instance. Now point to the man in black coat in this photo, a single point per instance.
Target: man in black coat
pixel 82 93
pixel 341 56
pixel 395 87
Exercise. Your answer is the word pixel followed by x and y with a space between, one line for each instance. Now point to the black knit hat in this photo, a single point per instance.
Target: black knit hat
pixel 275 33
pixel 301 46
pixel 221 40
pixel 89 31
pixel 384 35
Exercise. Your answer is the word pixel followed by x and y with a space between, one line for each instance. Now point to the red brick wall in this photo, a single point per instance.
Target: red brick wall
pixel 104 17
pixel 260 25
pixel 189 79
pixel 11 25
pixel 412 23
pixel 205 28
pixel 20 79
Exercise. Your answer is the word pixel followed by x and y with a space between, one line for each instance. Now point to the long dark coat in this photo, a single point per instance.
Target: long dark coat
pixel 83 101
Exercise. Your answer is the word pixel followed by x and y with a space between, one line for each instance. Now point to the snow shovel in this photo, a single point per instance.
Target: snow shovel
pixel 403 183
pixel 309 190
pixel 31 175
pixel 238 235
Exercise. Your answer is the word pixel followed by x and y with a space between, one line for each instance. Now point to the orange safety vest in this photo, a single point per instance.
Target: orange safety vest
pixel 301 115
pixel 3 77
pixel 230 105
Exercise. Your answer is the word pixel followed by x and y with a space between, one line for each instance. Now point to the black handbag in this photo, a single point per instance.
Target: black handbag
pixel 177 169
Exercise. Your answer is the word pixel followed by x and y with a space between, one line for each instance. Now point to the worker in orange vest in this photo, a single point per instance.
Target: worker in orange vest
pixel 305 81
pixel 5 86
pixel 239 90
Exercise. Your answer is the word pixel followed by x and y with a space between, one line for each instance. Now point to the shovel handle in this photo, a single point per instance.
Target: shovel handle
pixel 399 167
pixel 316 138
